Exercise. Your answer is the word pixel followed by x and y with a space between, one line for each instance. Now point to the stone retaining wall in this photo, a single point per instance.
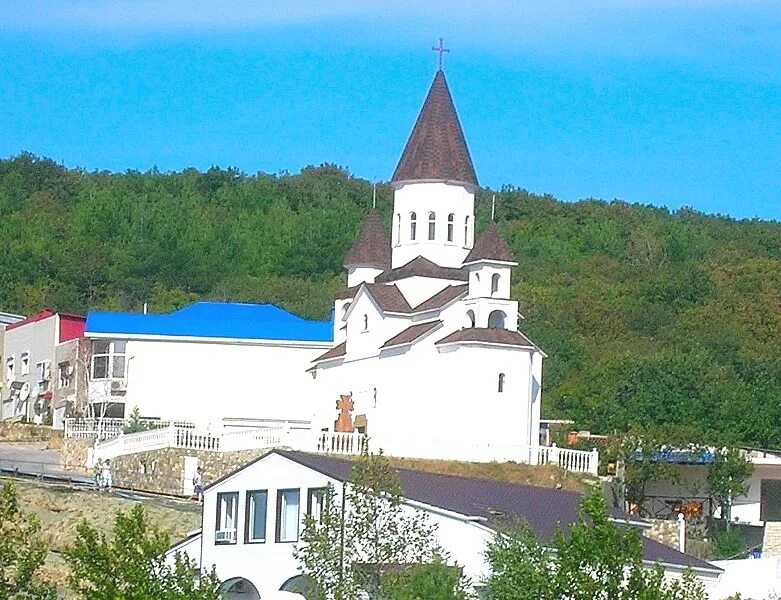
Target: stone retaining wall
pixel 163 470
pixel 24 432
pixel 73 452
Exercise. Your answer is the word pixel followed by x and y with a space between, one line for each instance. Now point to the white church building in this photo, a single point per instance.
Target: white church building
pixel 426 335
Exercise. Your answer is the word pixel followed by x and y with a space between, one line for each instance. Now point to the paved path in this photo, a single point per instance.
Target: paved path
pixel 34 458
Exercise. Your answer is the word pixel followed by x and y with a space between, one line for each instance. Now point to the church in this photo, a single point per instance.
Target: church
pixel 427 349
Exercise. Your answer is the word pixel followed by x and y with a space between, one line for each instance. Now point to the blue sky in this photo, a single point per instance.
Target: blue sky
pixel 669 102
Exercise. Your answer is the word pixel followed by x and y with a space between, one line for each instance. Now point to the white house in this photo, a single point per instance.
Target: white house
pixel 208 363
pixel 252 520
pixel 426 339
pixel 39 367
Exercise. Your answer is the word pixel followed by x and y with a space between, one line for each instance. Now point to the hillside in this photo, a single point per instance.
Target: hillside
pixel 649 318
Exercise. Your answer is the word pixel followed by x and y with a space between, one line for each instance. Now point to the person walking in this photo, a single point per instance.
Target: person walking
pixel 198 486
pixel 97 475
pixel 106 476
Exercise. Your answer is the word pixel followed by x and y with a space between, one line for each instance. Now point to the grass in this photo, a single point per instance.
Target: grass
pixel 61 508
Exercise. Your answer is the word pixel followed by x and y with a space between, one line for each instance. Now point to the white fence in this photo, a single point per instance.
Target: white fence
pixel 190 438
pixel 104 428
pixel 306 440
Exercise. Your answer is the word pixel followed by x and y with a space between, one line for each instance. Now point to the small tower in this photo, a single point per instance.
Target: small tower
pixel 434 185
pixel 490 264
pixel 370 255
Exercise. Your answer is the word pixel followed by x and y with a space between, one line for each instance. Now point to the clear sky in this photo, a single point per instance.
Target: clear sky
pixel 669 102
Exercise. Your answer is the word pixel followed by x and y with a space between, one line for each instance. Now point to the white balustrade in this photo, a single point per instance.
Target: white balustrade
pixel 330 442
pixel 577 461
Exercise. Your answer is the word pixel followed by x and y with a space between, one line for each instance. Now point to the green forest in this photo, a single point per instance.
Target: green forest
pixel 649 317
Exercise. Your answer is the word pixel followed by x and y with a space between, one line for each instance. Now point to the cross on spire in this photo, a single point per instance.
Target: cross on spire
pixel 442 50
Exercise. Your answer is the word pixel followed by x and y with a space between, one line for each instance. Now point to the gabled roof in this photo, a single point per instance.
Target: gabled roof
pixel 423 267
pixel 436 148
pixel 411 334
pixel 221 320
pixel 493 502
pixel 372 248
pixel 334 352
pixel 442 298
pixel 490 246
pixel 40 316
pixel 502 337
pixel 388 297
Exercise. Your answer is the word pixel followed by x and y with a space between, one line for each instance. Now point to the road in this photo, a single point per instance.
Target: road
pixel 34 458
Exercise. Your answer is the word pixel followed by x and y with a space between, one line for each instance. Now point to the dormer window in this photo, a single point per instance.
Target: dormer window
pixel 450 219
pixel 432 225
pixel 413 226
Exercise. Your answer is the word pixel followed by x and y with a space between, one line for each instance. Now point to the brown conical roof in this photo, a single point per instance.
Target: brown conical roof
pixel 490 246
pixel 436 148
pixel 372 246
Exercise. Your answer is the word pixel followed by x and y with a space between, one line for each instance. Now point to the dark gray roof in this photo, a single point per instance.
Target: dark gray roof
pixel 544 509
pixel 423 267
pixel 504 337
pixel 411 333
pixel 490 246
pixel 347 293
pixel 436 148
pixel 334 352
pixel 372 246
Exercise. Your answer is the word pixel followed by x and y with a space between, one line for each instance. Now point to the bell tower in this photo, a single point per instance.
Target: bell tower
pixel 434 185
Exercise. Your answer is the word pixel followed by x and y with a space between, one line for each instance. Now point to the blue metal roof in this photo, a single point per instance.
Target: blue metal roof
pixel 214 320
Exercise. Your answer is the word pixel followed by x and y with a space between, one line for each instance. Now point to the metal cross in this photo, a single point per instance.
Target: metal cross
pixel 441 49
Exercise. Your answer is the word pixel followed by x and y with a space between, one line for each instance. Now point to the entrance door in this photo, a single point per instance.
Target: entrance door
pixel 190 467
pixel 770 500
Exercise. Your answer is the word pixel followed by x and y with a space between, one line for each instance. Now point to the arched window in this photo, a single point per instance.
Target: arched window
pixel 300 584
pixel 345 308
pixel 366 322
pixel 398 229
pixel 466 231
pixel 413 226
pixel 496 319
pixel 239 588
pixel 494 283
pixel 470 314
pixel 501 382
pixel 450 218
pixel 432 225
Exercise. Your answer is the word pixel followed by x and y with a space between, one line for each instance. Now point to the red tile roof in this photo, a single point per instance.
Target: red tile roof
pixel 436 148
pixel 490 246
pixel 411 333
pixel 372 246
pixel 502 337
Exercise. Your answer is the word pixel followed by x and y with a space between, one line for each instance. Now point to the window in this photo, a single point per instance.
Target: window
pixel 25 363
pixel 494 283
pixel 255 521
pixel 43 370
pixel 466 231
pixel 496 319
pixel 366 322
pixel 450 219
pixel 470 314
pixel 501 382
pixel 227 517
pixel 345 308
pixel 65 374
pixel 108 359
pixel 432 225
pixel 398 229
pixel 288 514
pixel 315 502
pixel 413 225
pixel 10 369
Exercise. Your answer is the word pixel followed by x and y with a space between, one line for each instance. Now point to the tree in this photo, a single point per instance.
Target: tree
pixel 594 560
pixel 367 540
pixel 132 566
pixel 727 478
pixel 22 552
